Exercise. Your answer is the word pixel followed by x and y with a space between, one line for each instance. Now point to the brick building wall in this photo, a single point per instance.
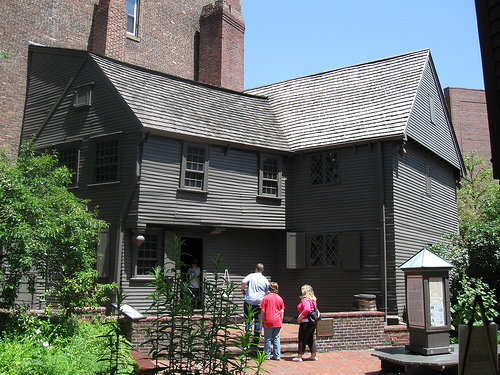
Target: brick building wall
pixel 168 33
pixel 470 120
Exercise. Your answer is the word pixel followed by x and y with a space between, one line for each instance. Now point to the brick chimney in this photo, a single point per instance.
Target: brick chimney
pixel 221 44
pixel 109 28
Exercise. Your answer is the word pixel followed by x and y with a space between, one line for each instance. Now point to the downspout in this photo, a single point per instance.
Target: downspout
pixel 383 234
pixel 125 209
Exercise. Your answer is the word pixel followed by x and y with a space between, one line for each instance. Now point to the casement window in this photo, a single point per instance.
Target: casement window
pixel 69 157
pixel 83 96
pixel 148 255
pixel 132 17
pixel 106 160
pixel 270 176
pixel 194 167
pixel 325 168
pixel 323 249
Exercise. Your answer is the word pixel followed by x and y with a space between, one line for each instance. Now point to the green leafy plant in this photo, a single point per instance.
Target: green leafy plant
pixel 462 309
pixel 50 345
pixel 117 353
pixel 187 343
pixel 46 229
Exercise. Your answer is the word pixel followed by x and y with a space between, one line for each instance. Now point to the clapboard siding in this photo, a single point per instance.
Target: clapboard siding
pixel 421 219
pixel 241 250
pixel 46 83
pixel 107 115
pixel 438 136
pixel 231 200
pixel 350 205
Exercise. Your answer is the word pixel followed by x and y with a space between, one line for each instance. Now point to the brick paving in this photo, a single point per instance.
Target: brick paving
pixel 347 362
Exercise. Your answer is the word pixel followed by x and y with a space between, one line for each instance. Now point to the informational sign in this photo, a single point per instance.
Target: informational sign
pixel 479 356
pixel 436 302
pixel 415 301
pixel 324 328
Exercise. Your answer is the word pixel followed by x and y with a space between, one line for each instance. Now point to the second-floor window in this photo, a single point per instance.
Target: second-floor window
pixel 270 176
pixel 132 16
pixel 69 157
pixel 106 160
pixel 194 168
pixel 325 168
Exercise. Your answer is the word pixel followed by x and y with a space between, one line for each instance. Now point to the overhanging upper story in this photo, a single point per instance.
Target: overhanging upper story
pixel 192 154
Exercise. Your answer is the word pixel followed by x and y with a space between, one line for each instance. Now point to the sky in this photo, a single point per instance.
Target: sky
pixel 288 39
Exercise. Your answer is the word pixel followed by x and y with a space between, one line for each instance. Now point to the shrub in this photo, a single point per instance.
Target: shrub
pixel 52 345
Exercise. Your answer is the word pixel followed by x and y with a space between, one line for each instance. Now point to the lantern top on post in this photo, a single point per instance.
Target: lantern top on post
pixel 425 259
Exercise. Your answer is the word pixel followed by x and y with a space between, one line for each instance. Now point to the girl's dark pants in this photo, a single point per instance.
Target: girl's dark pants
pixel 306 337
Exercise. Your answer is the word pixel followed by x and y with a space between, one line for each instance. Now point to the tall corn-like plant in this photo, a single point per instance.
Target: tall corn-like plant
pixel 208 343
pixel 118 346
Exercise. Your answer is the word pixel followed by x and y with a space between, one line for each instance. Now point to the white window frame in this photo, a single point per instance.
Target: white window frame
pixel 134 16
pixel 263 178
pixel 186 167
pixel 143 247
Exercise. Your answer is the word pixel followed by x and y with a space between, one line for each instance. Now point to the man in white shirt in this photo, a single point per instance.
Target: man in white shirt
pixel 254 287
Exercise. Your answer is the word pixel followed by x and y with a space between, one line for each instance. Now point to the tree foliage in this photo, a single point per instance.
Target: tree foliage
pixel 46 231
pixel 475 251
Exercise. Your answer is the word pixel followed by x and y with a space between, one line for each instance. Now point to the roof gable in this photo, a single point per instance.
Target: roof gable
pixel 433 130
pixel 352 104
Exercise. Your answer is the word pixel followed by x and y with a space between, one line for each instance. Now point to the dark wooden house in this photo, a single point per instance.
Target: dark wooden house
pixel 333 179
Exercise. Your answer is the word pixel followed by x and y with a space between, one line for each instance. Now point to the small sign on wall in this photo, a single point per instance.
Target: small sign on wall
pixel 324 328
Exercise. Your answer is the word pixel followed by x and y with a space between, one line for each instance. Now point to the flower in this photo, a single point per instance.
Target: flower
pixel 45 344
pixel 37 331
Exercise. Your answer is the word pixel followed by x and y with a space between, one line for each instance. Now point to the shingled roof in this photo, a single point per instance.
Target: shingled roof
pixel 362 102
pixel 352 104
pixel 176 106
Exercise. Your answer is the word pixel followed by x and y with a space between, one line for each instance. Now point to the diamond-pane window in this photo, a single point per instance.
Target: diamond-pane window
pixel 106 161
pixel 316 169
pixel 315 249
pixel 147 255
pixel 332 249
pixel 331 167
pixel 325 168
pixel 324 249
pixel 270 176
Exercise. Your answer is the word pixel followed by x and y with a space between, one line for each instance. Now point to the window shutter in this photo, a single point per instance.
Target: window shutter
pixel 102 253
pixel 295 250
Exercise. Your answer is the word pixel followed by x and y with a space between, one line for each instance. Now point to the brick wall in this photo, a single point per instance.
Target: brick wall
pixel 355 331
pixel 168 31
pixel 470 119
pixel 221 25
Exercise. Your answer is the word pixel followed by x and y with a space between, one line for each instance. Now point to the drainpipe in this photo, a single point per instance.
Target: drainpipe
pixel 383 240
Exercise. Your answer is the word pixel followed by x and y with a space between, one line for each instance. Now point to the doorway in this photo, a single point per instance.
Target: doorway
pixel 192 252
